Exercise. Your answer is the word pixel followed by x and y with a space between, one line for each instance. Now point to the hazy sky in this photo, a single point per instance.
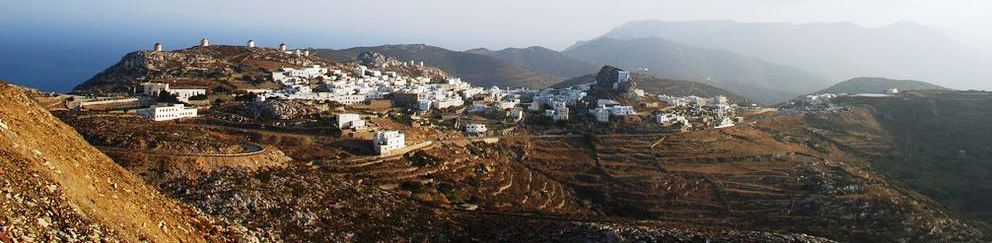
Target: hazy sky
pixel 55 44
pixel 456 24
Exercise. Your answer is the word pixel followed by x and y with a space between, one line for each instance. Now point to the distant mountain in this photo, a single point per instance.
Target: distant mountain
pixel 879 85
pixel 479 69
pixel 542 60
pixel 656 85
pixel 837 51
pixel 766 82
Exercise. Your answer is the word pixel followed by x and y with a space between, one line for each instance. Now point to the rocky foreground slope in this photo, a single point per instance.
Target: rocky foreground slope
pixel 54 186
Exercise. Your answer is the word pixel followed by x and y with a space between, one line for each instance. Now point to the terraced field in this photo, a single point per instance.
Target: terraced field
pixel 479 174
pixel 778 176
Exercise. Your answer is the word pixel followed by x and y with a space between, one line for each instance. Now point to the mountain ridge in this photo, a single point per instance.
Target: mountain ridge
pixel 541 59
pixel 837 51
pixel 879 85
pixel 748 76
pixel 475 68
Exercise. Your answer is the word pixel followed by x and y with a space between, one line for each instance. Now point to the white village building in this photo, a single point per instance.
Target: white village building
pixel 385 142
pixel 622 110
pixel 725 122
pixel 475 128
pixel 350 121
pixel 154 89
pixel 666 118
pixel 182 94
pixel 165 113
pixel 446 103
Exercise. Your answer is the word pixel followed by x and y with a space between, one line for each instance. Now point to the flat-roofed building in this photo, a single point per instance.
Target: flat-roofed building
pixel 165 113
pixel 385 142
pixel 350 121
pixel 475 128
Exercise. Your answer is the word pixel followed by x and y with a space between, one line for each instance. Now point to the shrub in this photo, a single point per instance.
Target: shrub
pixel 167 97
pixel 198 97
pixel 412 186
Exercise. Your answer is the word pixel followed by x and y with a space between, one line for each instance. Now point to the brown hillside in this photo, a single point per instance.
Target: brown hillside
pixel 56 187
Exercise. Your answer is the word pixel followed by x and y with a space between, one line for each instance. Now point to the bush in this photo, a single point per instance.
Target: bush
pixel 198 97
pixel 473 182
pixel 167 97
pixel 449 192
pixel 412 186
pixel 246 97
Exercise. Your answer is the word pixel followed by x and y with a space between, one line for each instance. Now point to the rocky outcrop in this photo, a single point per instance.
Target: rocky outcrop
pixel 283 109
pixel 137 67
pixel 615 83
pixel 373 59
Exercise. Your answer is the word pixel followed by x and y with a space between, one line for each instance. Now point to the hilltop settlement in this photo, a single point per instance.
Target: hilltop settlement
pixel 366 91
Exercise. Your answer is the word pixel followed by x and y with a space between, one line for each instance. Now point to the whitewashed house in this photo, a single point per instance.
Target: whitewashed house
pixel 475 128
pixel 154 89
pixel 725 122
pixel 165 113
pixel 666 118
pixel 446 103
pixel 183 94
pixel 350 121
pixel 385 142
pixel 622 110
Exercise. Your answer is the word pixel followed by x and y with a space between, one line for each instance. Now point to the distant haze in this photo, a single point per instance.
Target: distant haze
pixel 55 44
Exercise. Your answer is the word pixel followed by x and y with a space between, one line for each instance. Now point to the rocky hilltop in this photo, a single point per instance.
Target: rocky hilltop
pixel 212 66
pixel 879 86
pixel 227 68
pixel 656 85
pixel 615 83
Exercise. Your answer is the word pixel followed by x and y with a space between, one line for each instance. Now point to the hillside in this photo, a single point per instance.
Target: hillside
pixel 656 85
pixel 56 187
pixel 940 145
pixel 541 60
pixel 878 85
pixel 480 70
pixel 224 67
pixel 837 51
pixel 766 82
